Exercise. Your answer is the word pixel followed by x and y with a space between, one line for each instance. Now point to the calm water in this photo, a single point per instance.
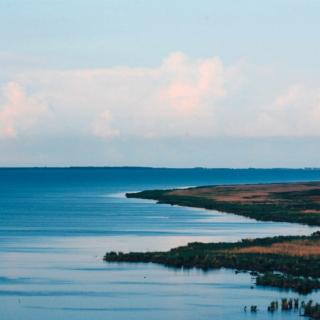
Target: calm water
pixel 56 224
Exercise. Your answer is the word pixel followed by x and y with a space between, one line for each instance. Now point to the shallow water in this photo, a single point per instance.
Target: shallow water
pixel 57 224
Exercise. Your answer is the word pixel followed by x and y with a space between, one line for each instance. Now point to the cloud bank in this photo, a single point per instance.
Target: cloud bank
pixel 182 97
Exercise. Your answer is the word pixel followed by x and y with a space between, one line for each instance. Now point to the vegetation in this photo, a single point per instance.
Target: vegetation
pixel 299 272
pixel 303 285
pixel 307 309
pixel 312 310
pixel 291 262
pixel 292 202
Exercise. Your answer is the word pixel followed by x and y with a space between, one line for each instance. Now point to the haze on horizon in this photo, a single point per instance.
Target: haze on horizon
pixel 160 83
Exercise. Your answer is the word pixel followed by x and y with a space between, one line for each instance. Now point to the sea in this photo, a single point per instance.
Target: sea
pixel 56 224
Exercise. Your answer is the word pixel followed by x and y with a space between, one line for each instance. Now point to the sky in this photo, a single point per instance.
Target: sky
pixel 160 83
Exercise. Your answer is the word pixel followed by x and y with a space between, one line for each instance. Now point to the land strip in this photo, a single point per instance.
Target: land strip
pixel 281 267
pixel 285 202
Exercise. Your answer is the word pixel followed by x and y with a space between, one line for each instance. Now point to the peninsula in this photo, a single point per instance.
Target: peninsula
pixel 283 202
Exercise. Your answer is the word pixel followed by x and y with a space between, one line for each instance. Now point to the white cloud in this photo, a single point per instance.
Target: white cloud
pixel 295 112
pixel 192 82
pixel 180 97
pixel 102 126
pixel 172 99
pixel 19 111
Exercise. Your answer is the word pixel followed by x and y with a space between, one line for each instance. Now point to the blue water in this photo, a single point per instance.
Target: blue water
pixel 56 224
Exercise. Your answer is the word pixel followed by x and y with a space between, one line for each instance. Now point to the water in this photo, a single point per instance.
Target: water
pixel 56 224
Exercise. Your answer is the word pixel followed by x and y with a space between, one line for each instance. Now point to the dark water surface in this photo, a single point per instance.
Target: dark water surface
pixel 56 224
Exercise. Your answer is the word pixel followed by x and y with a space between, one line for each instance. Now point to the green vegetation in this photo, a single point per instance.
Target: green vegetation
pixel 300 284
pixel 290 205
pixel 291 262
pixel 306 309
pixel 230 255
pixel 312 310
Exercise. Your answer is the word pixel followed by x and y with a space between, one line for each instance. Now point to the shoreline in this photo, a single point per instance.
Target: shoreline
pixel 288 262
pixel 286 270
pixel 297 202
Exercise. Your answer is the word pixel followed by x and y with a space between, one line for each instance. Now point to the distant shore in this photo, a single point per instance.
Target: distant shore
pixel 279 202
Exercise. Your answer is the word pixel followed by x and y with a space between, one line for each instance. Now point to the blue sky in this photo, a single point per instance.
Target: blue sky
pixel 130 78
pixel 78 33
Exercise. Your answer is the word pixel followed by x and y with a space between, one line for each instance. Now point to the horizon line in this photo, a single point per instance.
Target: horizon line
pixel 160 167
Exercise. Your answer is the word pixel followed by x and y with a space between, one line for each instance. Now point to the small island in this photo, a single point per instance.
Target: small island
pixel 288 262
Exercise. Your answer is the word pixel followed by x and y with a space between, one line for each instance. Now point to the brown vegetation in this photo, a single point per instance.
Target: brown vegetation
pixel 301 248
pixel 311 211
pixel 246 194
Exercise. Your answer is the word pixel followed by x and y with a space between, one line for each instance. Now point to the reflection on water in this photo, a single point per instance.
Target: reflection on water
pixel 54 233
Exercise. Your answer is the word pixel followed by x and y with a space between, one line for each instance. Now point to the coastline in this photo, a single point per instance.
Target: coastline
pixel 277 202
pixel 286 269
pixel 269 259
